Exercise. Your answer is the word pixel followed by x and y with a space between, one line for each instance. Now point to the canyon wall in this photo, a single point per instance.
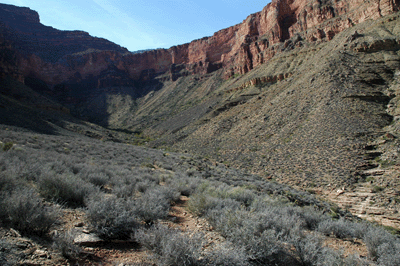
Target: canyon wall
pixel 64 56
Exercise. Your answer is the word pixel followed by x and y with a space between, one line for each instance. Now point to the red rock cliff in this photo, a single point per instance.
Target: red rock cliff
pixel 238 49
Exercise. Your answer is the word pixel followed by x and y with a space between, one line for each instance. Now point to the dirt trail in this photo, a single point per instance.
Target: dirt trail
pixel 131 253
pixel 125 253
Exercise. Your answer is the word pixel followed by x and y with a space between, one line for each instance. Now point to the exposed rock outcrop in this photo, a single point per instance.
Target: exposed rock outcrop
pixel 57 56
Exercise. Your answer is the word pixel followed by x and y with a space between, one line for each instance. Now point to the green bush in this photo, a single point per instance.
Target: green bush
pixel 7 146
pixel 376 189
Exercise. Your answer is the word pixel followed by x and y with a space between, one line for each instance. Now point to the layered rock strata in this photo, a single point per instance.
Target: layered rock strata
pixel 60 56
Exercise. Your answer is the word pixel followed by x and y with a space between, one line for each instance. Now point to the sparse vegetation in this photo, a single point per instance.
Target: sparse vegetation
pixel 64 242
pixel 261 222
pixel 171 246
pixel 8 254
pixel 262 228
pixel 23 210
pixel 7 146
pixel 111 217
pixel 376 189
pixel 65 188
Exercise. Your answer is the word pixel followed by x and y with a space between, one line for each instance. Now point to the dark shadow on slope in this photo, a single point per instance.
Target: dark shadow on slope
pixel 22 107
pixel 107 102
pixel 14 114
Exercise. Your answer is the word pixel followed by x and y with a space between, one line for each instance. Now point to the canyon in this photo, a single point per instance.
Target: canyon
pixel 73 56
pixel 303 92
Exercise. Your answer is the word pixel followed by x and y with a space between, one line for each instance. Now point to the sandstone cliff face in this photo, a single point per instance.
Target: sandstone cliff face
pixel 281 25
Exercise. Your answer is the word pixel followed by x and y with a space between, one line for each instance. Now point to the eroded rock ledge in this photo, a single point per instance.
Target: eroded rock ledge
pixel 281 25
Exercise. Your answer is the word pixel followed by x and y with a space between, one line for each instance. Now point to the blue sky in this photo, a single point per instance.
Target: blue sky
pixel 143 24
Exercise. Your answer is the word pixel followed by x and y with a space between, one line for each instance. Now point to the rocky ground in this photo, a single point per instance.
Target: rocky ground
pixel 95 251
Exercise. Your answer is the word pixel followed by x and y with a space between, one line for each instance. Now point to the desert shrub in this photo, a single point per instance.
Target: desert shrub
pixel 153 204
pixel 202 204
pixel 64 242
pixel 119 174
pixel 300 198
pixel 124 190
pixel 8 183
pixel 333 258
pixel 8 253
pixel 94 174
pixel 308 248
pixel 339 228
pixel 221 190
pixel 312 217
pixel 23 210
pixel 13 163
pixel 169 193
pixel 282 219
pixel 60 166
pixel 145 184
pixel 7 146
pixel 124 186
pixel 214 195
pixel 376 189
pixel 359 229
pixel 262 245
pixel 242 195
pixel 66 189
pixel 389 254
pixel 266 248
pixel 171 246
pixel 231 222
pixel 262 201
pixel 276 209
pixel 98 179
pixel 355 260
pixel 112 217
pixel 186 186
pixel 226 254
pixel 375 237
